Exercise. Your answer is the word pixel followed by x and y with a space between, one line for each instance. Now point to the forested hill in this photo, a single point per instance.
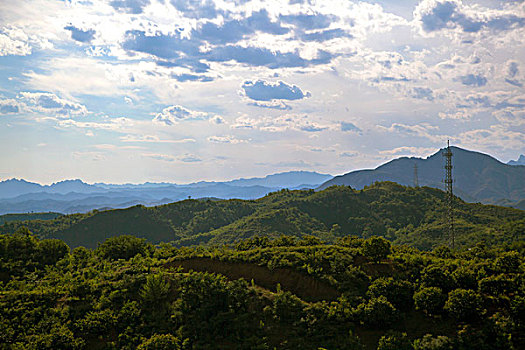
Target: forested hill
pixel 402 214
pixel 478 177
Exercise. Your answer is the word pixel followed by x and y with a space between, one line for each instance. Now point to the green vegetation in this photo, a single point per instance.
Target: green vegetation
pixel 403 215
pixel 292 270
pixel 295 293
pixel 28 216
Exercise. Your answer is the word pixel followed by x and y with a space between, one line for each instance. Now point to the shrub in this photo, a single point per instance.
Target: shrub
pixel 508 262
pixel 496 285
pixel 465 278
pixel 287 307
pixel 97 322
pixel 437 276
pixel 378 312
pixel 123 247
pixel 430 300
pixel 517 309
pixel 394 341
pixel 160 342
pixel 463 304
pixel 376 248
pixel 398 292
pixel 428 342
pixel 50 251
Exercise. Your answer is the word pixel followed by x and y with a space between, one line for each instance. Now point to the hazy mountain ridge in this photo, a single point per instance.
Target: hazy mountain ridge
pixel 519 161
pixel 71 196
pixel 477 177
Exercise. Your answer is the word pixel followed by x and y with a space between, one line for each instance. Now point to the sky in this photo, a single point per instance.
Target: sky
pixel 180 91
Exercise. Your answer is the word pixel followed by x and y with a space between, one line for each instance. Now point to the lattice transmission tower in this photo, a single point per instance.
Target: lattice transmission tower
pixel 447 153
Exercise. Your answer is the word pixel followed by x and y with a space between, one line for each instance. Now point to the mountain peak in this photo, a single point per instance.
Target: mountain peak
pixel 519 161
pixel 477 176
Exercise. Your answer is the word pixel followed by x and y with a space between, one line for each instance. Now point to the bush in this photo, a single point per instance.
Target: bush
pixel 160 342
pixel 517 309
pixel 123 247
pixel 287 308
pixel 464 305
pixel 378 312
pixel 398 292
pixel 496 285
pixel 394 341
pixel 430 300
pixel 97 323
pixel 50 251
pixel 376 248
pixel 465 278
pixel 437 276
pixel 428 342
pixel 508 262
pixel 19 246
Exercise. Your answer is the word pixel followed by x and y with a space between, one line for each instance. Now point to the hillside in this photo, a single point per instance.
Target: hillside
pixel 478 177
pixel 260 293
pixel 29 216
pixel 408 215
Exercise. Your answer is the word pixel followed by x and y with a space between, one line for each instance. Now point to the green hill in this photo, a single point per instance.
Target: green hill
pixel 406 215
pixel 28 216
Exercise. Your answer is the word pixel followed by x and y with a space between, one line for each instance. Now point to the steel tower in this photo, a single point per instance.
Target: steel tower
pixel 447 153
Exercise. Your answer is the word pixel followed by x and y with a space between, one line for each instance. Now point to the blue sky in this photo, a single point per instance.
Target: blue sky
pixel 181 91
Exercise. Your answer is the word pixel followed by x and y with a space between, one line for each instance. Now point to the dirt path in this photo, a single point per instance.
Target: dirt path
pixel 306 287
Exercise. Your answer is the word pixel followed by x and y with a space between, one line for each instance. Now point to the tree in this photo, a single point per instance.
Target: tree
pixel 376 248
pixel 464 305
pixel 154 292
pixel 496 285
pixel 19 246
pixel 465 278
pixel 377 312
pixel 437 276
pixel 428 342
pixel 123 247
pixel 430 300
pixel 50 251
pixel 394 341
pixel 508 262
pixel 160 342
pixel 287 308
pixel 398 292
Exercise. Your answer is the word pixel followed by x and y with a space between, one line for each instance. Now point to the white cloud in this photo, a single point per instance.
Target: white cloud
pixel 225 139
pixel 10 106
pixel 283 123
pixel 409 151
pixel 217 119
pixel 174 114
pixel 185 158
pixel 153 139
pixel 9 46
pixel 50 103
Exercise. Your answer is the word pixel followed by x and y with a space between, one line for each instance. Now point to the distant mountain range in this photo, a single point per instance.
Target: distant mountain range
pixel 75 196
pixel 477 177
pixel 519 161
